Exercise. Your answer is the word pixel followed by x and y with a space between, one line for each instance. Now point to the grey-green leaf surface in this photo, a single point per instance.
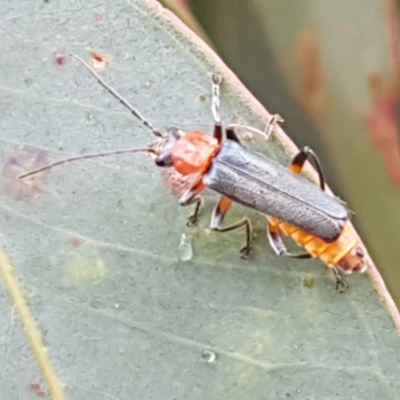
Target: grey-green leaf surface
pixel 105 296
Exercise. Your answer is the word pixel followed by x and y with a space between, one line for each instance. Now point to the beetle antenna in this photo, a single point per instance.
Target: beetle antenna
pixel 116 95
pixel 85 157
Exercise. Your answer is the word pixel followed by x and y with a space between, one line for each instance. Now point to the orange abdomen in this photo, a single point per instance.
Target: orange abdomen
pixel 337 253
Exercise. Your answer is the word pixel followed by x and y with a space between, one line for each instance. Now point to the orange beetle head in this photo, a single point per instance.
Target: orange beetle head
pixel 193 153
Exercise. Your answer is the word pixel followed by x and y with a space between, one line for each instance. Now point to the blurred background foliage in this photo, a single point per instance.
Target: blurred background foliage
pixel 331 69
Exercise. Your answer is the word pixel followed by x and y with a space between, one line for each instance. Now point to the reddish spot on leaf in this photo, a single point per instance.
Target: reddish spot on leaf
pixel 75 241
pixel 99 61
pixel 184 3
pixel 98 18
pixel 311 93
pixel 60 58
pixel 382 120
pixel 383 126
pixel 34 385
pixel 22 160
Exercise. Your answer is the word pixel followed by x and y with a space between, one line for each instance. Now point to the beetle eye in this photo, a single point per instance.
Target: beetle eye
pixel 164 160
pixel 159 162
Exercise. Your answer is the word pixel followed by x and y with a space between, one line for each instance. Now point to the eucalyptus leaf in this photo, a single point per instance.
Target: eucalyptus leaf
pixel 111 295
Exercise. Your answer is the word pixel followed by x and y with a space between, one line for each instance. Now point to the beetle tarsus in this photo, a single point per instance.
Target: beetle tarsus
pixel 194 216
pixel 216 79
pixel 191 220
pixel 275 119
pixel 297 164
pixel 245 252
pixel 340 283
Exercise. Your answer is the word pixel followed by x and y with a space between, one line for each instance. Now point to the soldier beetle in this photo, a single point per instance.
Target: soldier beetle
pixel 293 205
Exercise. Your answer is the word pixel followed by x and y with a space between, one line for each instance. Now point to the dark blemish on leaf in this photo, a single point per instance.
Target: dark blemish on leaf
pixel 203 97
pixel 248 137
pixel 209 355
pixel 121 204
pixel 22 160
pixel 308 282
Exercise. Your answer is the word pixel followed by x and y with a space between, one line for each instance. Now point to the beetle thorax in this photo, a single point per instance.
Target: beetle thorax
pixel 193 153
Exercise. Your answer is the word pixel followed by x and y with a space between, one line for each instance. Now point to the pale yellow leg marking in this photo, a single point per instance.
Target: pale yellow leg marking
pixel 19 301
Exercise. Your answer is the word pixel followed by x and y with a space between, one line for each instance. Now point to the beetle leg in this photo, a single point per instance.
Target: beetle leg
pixel 192 196
pixel 341 285
pixel 216 220
pixel 231 135
pixel 246 128
pixel 276 242
pixel 302 156
pixel 296 166
pixel 218 133
pixel 194 216
pixel 229 132
pixel 215 102
pixel 265 134
pixel 216 81
pixel 276 118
